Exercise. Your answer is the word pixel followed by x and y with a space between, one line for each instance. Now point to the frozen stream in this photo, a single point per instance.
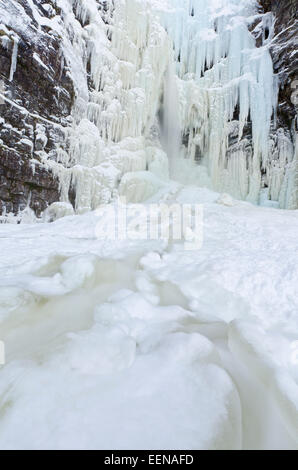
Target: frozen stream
pixel 140 344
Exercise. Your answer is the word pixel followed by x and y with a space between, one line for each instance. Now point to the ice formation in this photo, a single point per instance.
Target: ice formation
pixel 10 41
pixel 14 56
pixel 139 344
pixel 118 62
pixel 150 73
pixel 170 119
pixel 222 73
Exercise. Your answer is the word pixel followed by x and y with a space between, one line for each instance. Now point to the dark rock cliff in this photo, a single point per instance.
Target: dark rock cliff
pixel 36 105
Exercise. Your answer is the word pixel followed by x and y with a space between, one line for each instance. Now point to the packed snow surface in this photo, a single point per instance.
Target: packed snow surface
pixel 142 344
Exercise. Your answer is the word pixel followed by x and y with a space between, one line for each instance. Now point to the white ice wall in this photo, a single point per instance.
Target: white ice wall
pixel 118 68
pixel 120 63
pixel 221 69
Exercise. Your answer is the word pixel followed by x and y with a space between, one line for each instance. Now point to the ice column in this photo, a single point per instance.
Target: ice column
pixel 171 118
pixel 14 57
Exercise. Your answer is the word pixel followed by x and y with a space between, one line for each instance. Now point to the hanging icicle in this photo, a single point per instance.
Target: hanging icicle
pixel 14 57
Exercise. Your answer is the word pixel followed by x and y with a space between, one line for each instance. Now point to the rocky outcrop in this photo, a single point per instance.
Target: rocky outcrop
pixel 284 51
pixel 276 28
pixel 35 103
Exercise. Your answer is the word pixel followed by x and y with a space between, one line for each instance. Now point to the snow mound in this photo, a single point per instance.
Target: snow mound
pixel 139 186
pixel 57 210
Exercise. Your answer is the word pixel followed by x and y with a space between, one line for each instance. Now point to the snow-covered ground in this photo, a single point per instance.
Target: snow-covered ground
pixel 143 344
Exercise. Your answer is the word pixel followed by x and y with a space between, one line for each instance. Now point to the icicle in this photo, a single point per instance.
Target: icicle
pixel 14 57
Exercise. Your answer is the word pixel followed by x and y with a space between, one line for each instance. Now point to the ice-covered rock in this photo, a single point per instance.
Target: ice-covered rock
pixel 57 210
pixel 138 186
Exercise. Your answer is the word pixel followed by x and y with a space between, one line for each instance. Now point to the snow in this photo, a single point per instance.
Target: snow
pixel 132 343
pixel 141 344
pixel 57 210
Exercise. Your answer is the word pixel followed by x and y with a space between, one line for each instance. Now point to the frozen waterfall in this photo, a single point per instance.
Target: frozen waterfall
pixel 170 125
pixel 201 57
pixel 114 332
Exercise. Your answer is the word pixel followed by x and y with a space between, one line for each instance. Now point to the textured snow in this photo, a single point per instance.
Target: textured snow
pixel 140 344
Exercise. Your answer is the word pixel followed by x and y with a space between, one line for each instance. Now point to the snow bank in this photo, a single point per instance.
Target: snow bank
pixel 119 343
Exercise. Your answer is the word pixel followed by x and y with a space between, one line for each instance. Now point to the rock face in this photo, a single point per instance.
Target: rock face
pixel 35 103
